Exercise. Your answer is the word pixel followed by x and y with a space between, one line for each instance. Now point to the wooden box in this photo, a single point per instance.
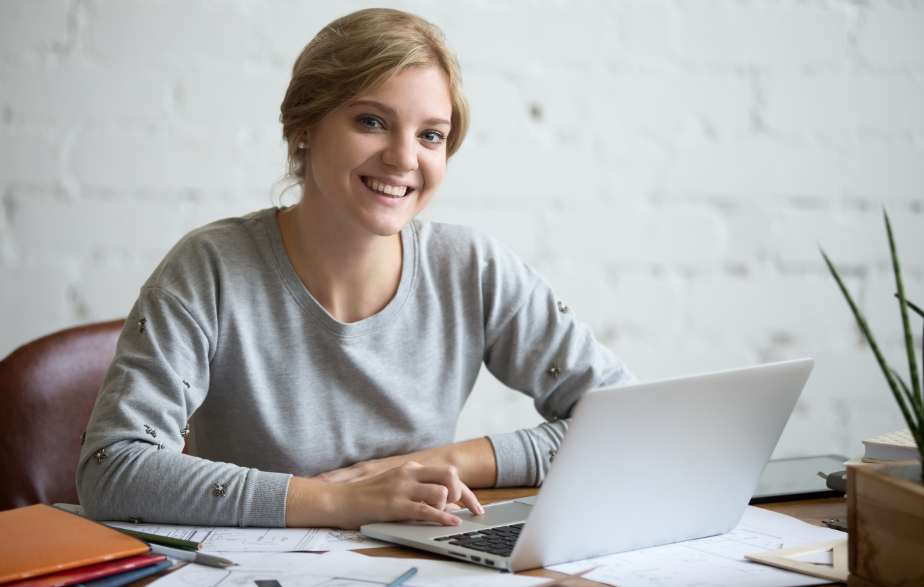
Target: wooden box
pixel 885 510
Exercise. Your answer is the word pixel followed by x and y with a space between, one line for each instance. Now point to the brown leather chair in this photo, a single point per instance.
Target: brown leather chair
pixel 47 391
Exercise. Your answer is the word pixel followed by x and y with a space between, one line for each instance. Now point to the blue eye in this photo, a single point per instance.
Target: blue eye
pixel 431 136
pixel 370 122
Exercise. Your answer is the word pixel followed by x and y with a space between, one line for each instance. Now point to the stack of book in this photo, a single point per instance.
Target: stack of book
pixel 43 546
pixel 891 447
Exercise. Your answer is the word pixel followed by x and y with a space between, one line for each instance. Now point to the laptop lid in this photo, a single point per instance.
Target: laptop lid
pixel 659 462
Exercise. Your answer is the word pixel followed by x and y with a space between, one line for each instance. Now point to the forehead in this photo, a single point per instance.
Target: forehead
pixel 416 93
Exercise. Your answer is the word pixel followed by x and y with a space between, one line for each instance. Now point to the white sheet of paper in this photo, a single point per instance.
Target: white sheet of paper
pixel 231 539
pixel 349 568
pixel 717 560
pixel 252 566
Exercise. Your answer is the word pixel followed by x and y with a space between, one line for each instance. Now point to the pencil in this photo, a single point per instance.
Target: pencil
pixel 165 540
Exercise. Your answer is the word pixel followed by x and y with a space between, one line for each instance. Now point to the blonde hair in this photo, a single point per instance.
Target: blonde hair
pixel 355 55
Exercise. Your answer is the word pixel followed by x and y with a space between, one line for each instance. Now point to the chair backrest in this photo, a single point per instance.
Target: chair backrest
pixel 47 391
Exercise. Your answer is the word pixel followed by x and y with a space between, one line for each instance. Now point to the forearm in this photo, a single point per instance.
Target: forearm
pixel 136 480
pixel 473 459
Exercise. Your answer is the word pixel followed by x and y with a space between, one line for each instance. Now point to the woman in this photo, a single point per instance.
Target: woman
pixel 338 339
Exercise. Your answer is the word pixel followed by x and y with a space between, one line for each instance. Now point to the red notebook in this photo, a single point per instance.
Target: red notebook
pixel 40 540
pixel 84 574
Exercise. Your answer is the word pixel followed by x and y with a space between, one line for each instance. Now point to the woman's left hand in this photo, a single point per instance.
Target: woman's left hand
pixel 367 469
pixel 474 460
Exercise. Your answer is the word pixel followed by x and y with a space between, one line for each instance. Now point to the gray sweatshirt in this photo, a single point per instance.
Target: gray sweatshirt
pixel 226 346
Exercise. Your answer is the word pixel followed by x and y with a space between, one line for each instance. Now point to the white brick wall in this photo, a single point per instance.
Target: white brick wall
pixel 670 166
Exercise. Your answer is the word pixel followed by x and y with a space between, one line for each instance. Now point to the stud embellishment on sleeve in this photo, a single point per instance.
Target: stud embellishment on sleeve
pixel 185 431
pixel 83 437
pixel 135 520
pixel 551 455
pixel 150 431
pixel 555 416
pixel 159 445
pixel 141 324
pixel 186 384
pixel 100 455
pixel 219 490
pixel 563 308
pixel 554 371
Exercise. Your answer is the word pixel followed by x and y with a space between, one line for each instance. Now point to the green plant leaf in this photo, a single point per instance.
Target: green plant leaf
pixel 908 394
pixel 886 370
pixel 906 323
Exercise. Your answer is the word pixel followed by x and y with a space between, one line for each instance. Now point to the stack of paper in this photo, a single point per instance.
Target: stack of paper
pixel 341 569
pixel 717 561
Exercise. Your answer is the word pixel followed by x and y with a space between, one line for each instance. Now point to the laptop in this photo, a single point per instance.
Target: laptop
pixel 641 465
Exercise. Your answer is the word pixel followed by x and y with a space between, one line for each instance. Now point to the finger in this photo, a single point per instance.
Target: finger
pixel 431 494
pixel 451 507
pixel 470 501
pixel 426 513
pixel 446 476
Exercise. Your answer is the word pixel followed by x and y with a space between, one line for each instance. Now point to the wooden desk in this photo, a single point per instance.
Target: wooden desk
pixel 812 511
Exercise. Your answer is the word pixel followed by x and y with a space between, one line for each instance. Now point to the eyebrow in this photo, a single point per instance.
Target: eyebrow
pixel 391 111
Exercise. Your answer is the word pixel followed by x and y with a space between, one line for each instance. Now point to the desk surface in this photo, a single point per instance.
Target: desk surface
pixel 812 511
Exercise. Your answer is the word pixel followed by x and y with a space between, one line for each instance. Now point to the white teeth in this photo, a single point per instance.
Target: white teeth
pixel 394 191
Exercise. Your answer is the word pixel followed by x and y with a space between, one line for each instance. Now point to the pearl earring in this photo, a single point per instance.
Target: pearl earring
pixel 301 144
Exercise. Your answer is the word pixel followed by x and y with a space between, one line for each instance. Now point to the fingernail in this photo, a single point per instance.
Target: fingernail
pixel 480 509
pixel 455 520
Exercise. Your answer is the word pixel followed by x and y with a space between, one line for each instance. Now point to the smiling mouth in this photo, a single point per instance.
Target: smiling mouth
pixel 393 191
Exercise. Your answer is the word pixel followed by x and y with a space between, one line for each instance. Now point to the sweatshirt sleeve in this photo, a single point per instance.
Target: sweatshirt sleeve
pixel 131 463
pixel 544 352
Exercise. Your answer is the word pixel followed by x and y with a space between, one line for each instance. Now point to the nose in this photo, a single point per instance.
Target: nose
pixel 401 152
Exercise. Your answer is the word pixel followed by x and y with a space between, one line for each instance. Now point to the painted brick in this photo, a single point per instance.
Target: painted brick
pixel 124 161
pixel 40 289
pixel 232 98
pixel 484 36
pixel 892 37
pixel 71 94
pixel 801 104
pixel 180 33
pixel 886 173
pixel 67 227
pixel 634 236
pixel 679 358
pixel 752 309
pixel 757 168
pixel 670 105
pixel 32 25
pixel 647 29
pixel 110 292
pixel 506 173
pixel 747 236
pixel 780 37
pixel 849 239
pixel 632 167
pixel 27 158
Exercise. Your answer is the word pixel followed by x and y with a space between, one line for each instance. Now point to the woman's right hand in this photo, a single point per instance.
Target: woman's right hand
pixel 408 492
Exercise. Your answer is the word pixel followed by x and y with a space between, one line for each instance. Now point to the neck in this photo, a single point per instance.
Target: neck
pixel 353 274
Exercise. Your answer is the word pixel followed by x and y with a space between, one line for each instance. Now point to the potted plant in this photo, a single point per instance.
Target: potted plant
pixel 885 504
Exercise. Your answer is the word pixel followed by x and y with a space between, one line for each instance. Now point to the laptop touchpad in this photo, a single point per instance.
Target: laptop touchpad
pixel 503 513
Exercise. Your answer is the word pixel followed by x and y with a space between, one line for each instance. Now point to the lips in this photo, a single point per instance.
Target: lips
pixel 394 191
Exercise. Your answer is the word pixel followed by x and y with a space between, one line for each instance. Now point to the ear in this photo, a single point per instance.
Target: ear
pixel 306 136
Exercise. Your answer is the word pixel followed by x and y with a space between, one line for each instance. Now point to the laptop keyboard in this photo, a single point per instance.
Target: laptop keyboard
pixel 498 541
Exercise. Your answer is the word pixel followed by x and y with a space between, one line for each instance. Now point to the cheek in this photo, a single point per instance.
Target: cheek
pixel 434 169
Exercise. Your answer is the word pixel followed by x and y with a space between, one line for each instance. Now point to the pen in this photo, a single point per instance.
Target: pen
pixel 155 539
pixel 193 557
pixel 400 580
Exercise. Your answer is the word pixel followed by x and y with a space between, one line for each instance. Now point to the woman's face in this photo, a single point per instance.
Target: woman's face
pixel 378 160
